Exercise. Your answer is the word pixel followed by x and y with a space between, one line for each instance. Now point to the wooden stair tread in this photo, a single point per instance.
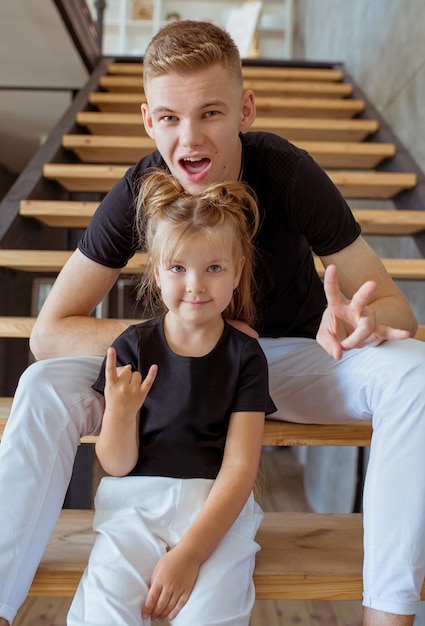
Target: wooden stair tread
pixel 121 116
pixel 372 185
pixel 59 213
pixel 303 556
pixel 305 89
pixel 15 327
pixel 257 71
pixel 100 178
pixel 276 432
pixel 53 261
pixel 295 106
pixel 119 149
pixel 77 214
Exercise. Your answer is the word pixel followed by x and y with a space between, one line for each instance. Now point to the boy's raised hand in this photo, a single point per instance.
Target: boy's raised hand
pixel 348 324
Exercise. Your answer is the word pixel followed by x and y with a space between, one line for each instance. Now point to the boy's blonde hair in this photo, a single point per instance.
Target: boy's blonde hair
pixel 167 216
pixel 187 46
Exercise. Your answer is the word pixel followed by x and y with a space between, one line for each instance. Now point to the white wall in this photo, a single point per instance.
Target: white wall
pixel 382 44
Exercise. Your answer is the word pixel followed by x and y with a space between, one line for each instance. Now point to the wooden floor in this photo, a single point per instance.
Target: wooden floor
pixel 281 491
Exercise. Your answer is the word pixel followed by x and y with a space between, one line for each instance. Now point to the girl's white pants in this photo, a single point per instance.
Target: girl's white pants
pixel 54 405
pixel 137 520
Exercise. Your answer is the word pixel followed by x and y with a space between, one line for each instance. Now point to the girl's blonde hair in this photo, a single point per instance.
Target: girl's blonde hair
pixel 188 46
pixel 167 216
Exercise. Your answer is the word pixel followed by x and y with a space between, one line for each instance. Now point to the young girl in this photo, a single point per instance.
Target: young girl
pixel 183 422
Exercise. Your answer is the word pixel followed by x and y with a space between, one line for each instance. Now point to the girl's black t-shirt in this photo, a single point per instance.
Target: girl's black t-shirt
pixel 185 417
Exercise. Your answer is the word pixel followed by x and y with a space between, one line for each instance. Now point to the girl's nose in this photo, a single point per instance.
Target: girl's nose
pixel 194 284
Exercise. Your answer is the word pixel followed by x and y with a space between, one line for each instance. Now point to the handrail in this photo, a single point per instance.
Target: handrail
pixel 83 30
pixel 14 231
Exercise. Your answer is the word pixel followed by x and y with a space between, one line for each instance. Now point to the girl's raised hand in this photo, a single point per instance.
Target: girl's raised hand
pixel 124 388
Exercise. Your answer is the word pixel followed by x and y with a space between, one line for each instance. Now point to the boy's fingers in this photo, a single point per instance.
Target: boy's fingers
pixel 331 286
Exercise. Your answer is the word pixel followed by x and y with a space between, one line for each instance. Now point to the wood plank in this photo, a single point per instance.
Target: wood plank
pixel 108 149
pixel 59 213
pixel 280 433
pixel 297 89
pixel 390 222
pixel 300 556
pixel 100 178
pixel 53 260
pixel 399 269
pixel 75 214
pixel 254 71
pixel 125 119
pixel 276 433
pixel 16 327
pixel 372 185
pixel 119 149
pixel 310 106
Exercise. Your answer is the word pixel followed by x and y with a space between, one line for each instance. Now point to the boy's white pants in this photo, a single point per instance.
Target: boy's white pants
pixel 137 520
pixel 54 405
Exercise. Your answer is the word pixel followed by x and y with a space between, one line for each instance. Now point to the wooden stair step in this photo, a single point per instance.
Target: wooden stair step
pixel 372 185
pixel 16 327
pixel 118 149
pixel 399 269
pixel 52 261
pixel 309 106
pixel 390 222
pixel 108 149
pixel 257 71
pixel 100 178
pixel 298 89
pixel 59 213
pixel 301 556
pixel 121 116
pixel 77 214
pixel 276 432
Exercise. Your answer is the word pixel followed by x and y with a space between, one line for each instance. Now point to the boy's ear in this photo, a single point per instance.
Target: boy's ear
pixel 147 119
pixel 248 110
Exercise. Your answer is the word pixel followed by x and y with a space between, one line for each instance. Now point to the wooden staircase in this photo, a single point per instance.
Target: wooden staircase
pixel 98 138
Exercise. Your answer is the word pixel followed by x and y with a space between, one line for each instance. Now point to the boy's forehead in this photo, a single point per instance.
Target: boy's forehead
pixel 215 78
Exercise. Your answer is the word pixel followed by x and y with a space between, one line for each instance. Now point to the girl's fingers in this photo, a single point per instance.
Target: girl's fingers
pixel 111 364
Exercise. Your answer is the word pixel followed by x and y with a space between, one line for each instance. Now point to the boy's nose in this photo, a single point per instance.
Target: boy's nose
pixel 191 135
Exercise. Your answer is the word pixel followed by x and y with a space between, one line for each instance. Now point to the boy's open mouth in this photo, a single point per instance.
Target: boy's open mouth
pixel 195 165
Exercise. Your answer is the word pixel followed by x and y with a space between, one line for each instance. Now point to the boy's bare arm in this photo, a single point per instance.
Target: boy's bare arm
pixel 64 326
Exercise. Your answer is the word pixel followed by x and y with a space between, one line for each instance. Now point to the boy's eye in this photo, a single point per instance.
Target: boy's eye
pixel 177 269
pixel 214 268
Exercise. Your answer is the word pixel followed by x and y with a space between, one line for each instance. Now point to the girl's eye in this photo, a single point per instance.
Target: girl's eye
pixel 177 269
pixel 214 268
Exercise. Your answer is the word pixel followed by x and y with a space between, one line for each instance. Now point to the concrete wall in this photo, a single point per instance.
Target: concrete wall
pixel 382 46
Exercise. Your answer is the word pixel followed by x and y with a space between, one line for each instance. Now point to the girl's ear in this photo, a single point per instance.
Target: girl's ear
pixel 147 120
pixel 248 110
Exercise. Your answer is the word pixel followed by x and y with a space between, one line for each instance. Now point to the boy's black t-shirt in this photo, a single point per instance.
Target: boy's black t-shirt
pixel 184 419
pixel 301 211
